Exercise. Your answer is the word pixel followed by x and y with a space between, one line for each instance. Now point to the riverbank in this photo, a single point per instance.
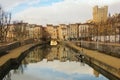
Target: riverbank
pixel 14 57
pixel 112 49
pixel 106 62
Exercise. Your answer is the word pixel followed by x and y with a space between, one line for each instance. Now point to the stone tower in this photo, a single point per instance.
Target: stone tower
pixel 100 14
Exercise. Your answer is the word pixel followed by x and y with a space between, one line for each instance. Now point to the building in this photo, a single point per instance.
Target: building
pixel 37 32
pixel 31 30
pixel 11 33
pixel 52 31
pixel 62 32
pixel 73 31
pixel 86 31
pixel 100 14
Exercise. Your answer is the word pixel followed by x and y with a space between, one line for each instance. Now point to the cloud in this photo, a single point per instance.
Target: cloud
pixel 62 12
pixel 56 70
pixel 8 4
pixel 78 68
pixel 66 11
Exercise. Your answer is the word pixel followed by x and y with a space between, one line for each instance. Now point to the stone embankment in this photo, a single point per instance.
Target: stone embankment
pixel 112 49
pixel 13 58
pixel 106 62
pixel 5 48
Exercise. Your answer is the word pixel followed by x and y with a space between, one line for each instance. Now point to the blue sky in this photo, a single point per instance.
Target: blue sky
pixel 56 11
pixel 38 3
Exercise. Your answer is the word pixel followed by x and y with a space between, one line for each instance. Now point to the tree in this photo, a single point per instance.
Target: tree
pixel 5 19
pixel 20 30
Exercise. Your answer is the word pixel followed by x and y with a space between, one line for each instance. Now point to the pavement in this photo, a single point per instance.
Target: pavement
pixel 110 60
pixel 14 53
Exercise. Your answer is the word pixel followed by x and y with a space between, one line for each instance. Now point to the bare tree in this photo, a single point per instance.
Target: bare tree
pixel 20 29
pixel 5 19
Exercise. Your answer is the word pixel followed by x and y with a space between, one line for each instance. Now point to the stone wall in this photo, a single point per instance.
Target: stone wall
pixel 110 49
pixel 4 49
pixel 27 41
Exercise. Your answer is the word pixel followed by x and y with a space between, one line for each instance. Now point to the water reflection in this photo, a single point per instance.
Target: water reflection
pixel 53 63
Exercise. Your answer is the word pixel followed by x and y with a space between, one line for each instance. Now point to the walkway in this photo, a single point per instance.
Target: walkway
pixel 14 53
pixel 112 61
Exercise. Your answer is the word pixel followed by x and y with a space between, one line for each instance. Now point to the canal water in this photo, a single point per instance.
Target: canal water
pixel 53 63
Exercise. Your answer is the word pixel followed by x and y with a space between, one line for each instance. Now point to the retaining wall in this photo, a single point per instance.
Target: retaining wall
pixel 106 48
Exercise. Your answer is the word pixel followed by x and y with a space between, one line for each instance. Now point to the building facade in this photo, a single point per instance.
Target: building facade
pixel 52 30
pixel 86 31
pixel 62 32
pixel 73 31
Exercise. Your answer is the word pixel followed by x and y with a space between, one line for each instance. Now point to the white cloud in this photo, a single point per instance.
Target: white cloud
pixel 8 4
pixel 62 12
pixel 64 67
pixel 67 11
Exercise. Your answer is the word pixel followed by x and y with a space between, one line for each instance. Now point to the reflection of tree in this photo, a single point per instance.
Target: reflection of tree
pixel 7 77
pixel 36 55
pixel 24 62
pixel 20 70
pixel 61 53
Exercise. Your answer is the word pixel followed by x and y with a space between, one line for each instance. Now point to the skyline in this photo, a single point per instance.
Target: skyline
pixel 56 11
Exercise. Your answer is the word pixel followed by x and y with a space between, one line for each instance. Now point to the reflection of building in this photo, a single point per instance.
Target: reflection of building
pixel 96 73
pixel 34 56
pixel 100 14
pixel 61 53
pixel 53 54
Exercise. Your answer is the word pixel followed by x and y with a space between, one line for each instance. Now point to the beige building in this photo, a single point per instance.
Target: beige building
pixel 37 32
pixel 100 14
pixel 31 30
pixel 11 33
pixel 17 31
pixel 86 31
pixel 73 31
pixel 62 32
pixel 52 30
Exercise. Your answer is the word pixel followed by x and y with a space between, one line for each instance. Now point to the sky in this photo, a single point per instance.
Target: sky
pixel 56 11
pixel 56 70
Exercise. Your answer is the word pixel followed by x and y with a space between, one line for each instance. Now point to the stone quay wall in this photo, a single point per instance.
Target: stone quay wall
pixel 4 49
pixel 106 48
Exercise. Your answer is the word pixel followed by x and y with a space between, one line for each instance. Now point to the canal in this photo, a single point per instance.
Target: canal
pixel 53 63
